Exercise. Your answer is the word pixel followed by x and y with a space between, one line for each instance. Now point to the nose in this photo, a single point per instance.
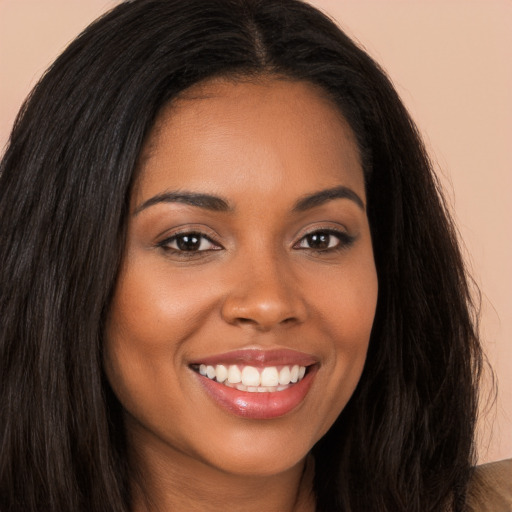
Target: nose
pixel 264 295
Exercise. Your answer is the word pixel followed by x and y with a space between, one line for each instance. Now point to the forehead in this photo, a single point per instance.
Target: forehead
pixel 267 131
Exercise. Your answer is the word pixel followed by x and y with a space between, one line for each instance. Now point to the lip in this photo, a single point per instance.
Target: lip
pixel 259 405
pixel 258 357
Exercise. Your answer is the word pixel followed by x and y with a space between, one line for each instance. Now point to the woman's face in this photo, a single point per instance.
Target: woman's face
pixel 240 322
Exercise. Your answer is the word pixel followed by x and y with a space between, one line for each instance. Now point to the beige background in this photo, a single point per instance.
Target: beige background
pixel 451 63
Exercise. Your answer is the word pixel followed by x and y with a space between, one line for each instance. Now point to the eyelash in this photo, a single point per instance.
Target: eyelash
pixel 344 241
pixel 201 237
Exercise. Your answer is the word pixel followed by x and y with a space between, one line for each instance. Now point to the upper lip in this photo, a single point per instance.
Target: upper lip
pixel 259 357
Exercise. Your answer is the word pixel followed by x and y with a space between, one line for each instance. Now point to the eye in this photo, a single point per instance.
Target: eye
pixel 324 240
pixel 189 242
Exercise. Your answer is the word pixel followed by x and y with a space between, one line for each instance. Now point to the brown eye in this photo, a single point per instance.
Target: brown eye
pixel 325 240
pixel 189 242
pixel 320 240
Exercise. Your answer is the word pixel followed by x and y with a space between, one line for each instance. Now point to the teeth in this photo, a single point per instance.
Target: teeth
pixel 210 372
pixel 284 375
pixel 234 375
pixel 254 380
pixel 250 376
pixel 269 376
pixel 221 373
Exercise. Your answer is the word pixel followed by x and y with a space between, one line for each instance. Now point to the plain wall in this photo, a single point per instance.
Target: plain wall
pixel 450 62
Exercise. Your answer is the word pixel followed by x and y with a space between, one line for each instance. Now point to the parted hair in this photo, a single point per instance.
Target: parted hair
pixel 404 442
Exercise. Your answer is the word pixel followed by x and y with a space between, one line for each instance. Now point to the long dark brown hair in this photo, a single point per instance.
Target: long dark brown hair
pixel 405 440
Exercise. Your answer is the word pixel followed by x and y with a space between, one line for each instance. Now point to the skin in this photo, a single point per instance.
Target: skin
pixel 261 145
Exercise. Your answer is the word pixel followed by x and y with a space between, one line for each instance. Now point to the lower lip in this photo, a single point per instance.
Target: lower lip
pixel 259 406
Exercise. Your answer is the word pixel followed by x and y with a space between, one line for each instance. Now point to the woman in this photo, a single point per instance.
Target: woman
pixel 229 279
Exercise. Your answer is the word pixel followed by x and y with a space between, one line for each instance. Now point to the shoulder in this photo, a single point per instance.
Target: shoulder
pixel 490 487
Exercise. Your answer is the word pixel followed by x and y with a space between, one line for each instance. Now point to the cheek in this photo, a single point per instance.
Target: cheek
pixel 346 302
pixel 153 316
pixel 346 309
pixel 356 304
pixel 155 309
pixel 143 332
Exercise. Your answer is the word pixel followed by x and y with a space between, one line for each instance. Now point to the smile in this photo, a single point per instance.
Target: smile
pixel 257 384
pixel 268 379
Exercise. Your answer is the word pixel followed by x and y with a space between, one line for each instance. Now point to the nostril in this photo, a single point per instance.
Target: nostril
pixel 245 321
pixel 264 323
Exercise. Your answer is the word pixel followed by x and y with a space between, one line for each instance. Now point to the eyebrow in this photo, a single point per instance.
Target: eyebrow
pixel 323 196
pixel 217 204
pixel 206 201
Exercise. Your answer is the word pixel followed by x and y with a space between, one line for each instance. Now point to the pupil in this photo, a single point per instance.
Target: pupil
pixel 188 242
pixel 319 240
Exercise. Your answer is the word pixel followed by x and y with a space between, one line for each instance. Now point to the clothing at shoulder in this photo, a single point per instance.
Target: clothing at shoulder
pixel 490 488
